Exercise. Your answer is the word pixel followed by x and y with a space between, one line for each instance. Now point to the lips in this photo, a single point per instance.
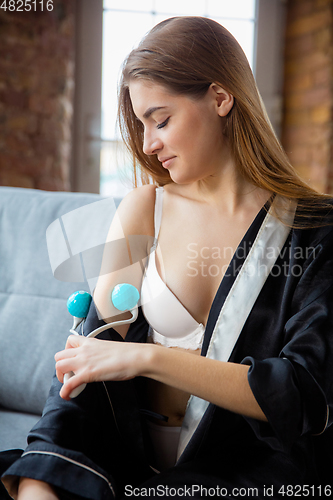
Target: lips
pixel 166 162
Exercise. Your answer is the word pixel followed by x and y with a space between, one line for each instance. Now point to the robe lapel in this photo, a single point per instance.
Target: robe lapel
pixel 237 304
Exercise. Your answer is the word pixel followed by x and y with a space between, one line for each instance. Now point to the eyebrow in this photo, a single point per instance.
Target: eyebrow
pixel 152 110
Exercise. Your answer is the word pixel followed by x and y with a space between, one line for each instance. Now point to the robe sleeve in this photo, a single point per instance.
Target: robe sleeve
pixel 295 389
pixel 85 447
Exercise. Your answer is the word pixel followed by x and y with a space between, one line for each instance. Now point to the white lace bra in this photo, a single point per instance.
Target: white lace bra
pixel 170 322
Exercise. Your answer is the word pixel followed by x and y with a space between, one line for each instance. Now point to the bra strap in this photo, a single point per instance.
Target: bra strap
pixel 158 210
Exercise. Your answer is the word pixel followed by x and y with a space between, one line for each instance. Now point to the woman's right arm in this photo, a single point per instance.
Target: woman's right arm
pixel 38 490
pixel 129 239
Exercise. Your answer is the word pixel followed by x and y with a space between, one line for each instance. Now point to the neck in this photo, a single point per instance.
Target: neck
pixel 227 190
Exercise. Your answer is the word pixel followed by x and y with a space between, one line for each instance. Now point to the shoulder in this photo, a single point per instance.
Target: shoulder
pixel 136 210
pixel 139 197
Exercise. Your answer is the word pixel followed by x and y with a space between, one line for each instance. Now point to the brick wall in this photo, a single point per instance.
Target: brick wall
pixel 36 96
pixel 37 84
pixel 307 133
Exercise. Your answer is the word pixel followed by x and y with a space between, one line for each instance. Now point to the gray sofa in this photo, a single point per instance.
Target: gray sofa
pixel 34 321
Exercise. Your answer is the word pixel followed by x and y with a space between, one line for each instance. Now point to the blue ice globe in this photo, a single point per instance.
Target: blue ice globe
pixel 78 304
pixel 124 296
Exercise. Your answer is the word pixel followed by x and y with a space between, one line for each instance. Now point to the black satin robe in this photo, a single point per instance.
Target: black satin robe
pixel 95 445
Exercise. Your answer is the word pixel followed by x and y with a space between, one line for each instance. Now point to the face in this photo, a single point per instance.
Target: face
pixel 185 134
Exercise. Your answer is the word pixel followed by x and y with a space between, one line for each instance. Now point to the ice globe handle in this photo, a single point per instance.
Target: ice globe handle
pixel 121 288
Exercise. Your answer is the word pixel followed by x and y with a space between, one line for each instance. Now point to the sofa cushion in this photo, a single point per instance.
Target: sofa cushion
pixel 14 428
pixel 34 321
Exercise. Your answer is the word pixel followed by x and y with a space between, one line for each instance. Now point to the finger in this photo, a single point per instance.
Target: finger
pixel 66 353
pixel 60 375
pixel 65 366
pixel 71 384
pixel 74 341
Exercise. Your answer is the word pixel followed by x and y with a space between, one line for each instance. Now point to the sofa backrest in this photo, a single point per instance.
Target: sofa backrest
pixel 34 321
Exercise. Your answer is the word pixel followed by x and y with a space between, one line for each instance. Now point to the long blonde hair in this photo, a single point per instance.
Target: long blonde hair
pixel 186 55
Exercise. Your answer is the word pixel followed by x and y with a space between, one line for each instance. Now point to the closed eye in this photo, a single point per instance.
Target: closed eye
pixel 163 124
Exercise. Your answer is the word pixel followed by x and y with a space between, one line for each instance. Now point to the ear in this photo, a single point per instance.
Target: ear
pixel 224 100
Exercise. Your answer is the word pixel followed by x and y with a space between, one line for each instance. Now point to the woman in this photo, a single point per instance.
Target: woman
pixel 236 294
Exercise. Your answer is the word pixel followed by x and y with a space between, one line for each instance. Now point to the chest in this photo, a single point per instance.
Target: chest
pixel 193 256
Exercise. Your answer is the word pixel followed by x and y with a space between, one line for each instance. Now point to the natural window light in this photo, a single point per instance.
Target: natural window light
pixel 124 24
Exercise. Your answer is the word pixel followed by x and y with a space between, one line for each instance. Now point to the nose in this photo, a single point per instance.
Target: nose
pixel 151 143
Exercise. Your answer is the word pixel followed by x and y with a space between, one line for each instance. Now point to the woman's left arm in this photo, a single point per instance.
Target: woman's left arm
pixel 222 383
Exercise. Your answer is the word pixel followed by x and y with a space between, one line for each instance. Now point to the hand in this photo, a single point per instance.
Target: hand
pixel 95 360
